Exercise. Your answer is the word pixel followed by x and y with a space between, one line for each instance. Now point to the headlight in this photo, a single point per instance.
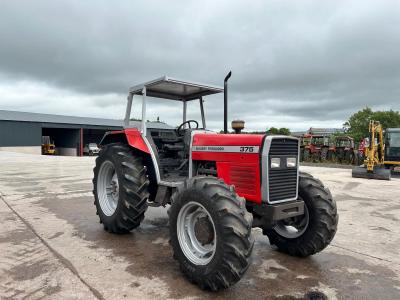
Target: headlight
pixel 291 162
pixel 275 162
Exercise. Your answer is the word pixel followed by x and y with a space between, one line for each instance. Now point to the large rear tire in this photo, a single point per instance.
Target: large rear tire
pixel 120 188
pixel 310 233
pixel 210 232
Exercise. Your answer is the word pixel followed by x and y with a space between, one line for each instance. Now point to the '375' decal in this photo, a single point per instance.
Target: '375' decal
pixel 232 149
pixel 247 149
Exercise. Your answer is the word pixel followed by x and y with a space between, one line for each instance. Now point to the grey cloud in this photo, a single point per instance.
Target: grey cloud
pixel 304 60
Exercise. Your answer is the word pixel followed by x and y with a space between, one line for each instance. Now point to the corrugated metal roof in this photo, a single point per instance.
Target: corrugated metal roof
pixel 327 131
pixel 10 115
pixel 298 133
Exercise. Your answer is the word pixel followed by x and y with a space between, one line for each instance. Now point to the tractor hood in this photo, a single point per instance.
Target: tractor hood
pixel 257 165
pixel 247 143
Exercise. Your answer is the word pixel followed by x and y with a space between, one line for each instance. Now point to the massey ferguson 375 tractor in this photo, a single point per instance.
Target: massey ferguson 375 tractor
pixel 218 187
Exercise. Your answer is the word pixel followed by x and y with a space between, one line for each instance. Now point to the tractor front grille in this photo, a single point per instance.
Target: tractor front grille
pixel 284 147
pixel 282 182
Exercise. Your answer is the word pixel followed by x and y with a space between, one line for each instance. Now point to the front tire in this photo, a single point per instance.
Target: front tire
pixel 120 188
pixel 310 233
pixel 210 233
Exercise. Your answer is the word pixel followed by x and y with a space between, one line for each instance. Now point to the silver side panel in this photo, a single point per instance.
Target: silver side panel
pixel 153 158
pixel 265 169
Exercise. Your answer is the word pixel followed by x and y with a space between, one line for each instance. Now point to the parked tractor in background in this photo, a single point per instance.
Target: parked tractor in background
pixel 48 147
pixel 361 151
pixel 315 147
pixel 218 187
pixel 342 150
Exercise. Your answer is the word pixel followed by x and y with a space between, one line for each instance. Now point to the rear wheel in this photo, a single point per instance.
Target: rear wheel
pixel 360 159
pixel 120 188
pixel 324 154
pixel 307 155
pixel 314 230
pixel 331 155
pixel 210 232
pixel 340 155
pixel 349 156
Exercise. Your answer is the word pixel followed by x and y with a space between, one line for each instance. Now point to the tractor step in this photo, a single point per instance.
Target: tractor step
pixel 378 173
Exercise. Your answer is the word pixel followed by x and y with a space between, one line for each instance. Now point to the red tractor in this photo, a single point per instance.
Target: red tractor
pixel 361 151
pixel 218 187
pixel 342 150
pixel 315 147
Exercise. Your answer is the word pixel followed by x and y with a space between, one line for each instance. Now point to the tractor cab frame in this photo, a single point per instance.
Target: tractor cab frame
pixel 171 89
pixel 170 153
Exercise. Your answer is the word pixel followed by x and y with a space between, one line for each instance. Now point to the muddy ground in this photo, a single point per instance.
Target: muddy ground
pixel 53 247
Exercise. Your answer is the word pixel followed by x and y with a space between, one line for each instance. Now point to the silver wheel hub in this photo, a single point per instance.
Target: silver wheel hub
pixel 107 188
pixel 294 227
pixel 196 233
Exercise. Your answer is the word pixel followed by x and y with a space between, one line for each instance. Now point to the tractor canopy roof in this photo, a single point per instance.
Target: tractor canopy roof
pixel 175 89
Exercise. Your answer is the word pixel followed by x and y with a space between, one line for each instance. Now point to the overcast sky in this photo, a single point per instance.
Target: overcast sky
pixel 295 64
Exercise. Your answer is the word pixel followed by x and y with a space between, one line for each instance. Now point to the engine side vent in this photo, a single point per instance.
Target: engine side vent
pixel 242 177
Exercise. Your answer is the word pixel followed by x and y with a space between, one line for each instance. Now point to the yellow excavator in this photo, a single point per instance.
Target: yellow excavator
pixel 374 163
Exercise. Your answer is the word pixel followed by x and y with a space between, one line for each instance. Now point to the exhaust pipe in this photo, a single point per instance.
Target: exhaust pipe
pixel 226 101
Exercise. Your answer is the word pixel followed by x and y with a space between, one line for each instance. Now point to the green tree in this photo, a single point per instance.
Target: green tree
pixel 284 131
pixel 281 131
pixel 273 130
pixel 358 123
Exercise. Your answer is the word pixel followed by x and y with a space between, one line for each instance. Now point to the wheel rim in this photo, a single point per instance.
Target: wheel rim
pixel 294 227
pixel 196 233
pixel 108 188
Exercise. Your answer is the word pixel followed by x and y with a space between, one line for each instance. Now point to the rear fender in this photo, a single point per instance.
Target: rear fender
pixel 135 140
pixel 132 137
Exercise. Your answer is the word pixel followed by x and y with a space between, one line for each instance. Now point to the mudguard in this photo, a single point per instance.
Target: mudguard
pixel 130 136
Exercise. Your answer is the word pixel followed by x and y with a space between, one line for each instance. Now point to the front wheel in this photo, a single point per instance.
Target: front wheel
pixel 210 232
pixel 311 232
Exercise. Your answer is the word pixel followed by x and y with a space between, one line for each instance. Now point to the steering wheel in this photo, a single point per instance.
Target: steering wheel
pixel 180 129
